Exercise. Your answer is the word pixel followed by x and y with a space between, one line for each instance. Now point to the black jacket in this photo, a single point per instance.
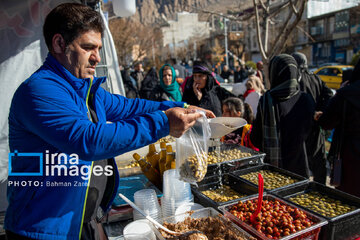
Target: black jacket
pixel 240 76
pixel 212 97
pixel 150 81
pixel 315 144
pixel 350 149
pixel 131 90
pixel 158 94
pixel 294 118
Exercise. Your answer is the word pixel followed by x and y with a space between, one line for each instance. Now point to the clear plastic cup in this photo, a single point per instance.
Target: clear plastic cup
pixel 157 215
pixel 169 206
pixel 139 230
pixel 147 200
pixel 173 188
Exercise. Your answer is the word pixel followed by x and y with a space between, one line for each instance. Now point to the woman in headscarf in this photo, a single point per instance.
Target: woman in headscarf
pixel 284 118
pixel 168 89
pixel 343 114
pixel 202 90
pixel 321 94
pixel 255 89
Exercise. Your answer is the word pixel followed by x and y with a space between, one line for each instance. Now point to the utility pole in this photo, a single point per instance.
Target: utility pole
pixel 195 50
pixel 226 42
pixel 174 43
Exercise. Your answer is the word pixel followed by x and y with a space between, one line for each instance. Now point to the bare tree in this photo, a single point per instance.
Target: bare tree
pixel 269 49
pixel 134 41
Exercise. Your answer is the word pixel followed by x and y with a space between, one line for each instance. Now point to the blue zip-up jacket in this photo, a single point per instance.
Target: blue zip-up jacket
pixel 49 115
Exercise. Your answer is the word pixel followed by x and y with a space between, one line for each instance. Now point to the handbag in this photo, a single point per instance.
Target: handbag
pixel 335 158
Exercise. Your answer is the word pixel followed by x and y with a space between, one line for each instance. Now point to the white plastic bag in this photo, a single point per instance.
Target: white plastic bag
pixel 191 151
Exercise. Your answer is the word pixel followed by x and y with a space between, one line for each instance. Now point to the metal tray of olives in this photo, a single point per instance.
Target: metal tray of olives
pixel 293 178
pixel 233 163
pixel 243 189
pixel 343 226
pixel 309 233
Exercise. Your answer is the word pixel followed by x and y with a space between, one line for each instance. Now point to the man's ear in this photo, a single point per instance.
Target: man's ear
pixel 58 43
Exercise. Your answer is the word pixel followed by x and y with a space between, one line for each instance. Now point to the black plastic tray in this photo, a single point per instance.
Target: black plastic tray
pixel 310 233
pixel 346 226
pixel 214 182
pixel 256 158
pixel 301 179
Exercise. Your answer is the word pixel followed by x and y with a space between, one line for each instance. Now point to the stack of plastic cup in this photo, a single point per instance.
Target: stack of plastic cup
pixel 147 200
pixel 175 193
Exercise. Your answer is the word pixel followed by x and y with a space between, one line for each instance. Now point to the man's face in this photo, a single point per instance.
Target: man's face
pixel 82 54
pixel 138 67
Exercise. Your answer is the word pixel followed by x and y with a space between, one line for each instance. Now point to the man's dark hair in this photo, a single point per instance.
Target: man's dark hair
pixel 71 20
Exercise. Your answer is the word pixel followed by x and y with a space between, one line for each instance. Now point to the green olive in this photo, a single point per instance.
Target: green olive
pixel 322 204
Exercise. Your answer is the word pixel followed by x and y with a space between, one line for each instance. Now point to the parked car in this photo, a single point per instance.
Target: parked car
pixel 332 75
pixel 329 64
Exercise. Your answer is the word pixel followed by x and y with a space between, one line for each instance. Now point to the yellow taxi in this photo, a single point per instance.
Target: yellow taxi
pixel 332 75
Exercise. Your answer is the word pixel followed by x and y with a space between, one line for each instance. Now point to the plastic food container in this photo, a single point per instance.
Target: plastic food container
pixel 129 185
pixel 310 233
pixel 230 165
pixel 205 212
pixel 240 187
pixel 139 230
pixel 299 179
pixel 346 226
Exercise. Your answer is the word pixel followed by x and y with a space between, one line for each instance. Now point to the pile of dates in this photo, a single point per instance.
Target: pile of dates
pixel 275 220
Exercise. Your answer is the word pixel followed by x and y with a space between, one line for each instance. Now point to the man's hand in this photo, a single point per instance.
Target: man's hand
pixel 197 91
pixel 208 113
pixel 180 120
pixel 317 115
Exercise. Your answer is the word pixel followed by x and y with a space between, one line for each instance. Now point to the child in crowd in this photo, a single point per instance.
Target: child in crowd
pixel 235 107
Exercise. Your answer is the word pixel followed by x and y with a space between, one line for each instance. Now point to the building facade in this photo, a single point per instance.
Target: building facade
pixel 336 36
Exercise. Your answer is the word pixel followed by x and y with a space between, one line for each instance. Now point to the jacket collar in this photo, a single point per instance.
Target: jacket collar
pixel 80 85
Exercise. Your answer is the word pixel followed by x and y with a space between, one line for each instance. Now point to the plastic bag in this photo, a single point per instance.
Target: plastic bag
pixel 191 151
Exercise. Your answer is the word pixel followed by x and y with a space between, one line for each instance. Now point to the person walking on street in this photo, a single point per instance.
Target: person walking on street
pixel 138 74
pixel 284 118
pixel 343 114
pixel 240 74
pixel 321 94
pixel 225 73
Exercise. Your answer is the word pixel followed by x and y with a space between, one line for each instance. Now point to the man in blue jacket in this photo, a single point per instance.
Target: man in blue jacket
pixel 64 131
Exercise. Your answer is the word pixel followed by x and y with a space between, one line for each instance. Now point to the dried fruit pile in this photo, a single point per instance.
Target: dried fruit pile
pixel 275 220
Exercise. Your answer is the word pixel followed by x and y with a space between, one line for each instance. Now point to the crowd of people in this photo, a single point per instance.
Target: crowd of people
pixel 283 121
